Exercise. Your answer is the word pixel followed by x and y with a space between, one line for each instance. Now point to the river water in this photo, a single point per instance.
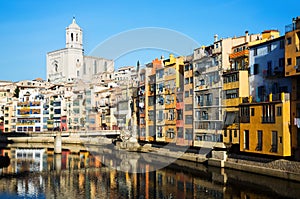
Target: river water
pixel 36 172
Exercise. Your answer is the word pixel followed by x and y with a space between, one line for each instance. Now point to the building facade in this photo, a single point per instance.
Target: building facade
pixel 292 69
pixel 264 126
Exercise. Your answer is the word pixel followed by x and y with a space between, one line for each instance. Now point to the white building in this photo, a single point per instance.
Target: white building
pixel 70 63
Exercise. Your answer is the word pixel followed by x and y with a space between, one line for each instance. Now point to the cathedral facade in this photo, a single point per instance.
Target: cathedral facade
pixel 70 63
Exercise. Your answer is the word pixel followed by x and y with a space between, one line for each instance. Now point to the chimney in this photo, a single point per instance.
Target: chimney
pixel 215 38
pixel 246 36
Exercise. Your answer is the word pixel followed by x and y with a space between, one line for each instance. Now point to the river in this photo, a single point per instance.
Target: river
pixel 36 172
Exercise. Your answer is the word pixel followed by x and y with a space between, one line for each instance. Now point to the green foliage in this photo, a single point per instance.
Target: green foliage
pixel 16 92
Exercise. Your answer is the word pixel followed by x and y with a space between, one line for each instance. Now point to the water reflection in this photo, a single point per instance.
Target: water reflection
pixel 40 173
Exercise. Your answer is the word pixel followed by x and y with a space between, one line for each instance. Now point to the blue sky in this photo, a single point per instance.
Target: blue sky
pixel 29 29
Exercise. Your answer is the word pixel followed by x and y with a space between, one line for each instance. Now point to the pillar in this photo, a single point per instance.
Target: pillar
pixel 57 143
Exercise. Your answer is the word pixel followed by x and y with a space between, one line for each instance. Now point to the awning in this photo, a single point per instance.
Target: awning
pixel 230 118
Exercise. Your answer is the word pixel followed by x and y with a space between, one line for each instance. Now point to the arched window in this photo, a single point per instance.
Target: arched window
pixel 77 37
pixel 71 36
pixel 95 67
pixel 105 66
pixel 84 68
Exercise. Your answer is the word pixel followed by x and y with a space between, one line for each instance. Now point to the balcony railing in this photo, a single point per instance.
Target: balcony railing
pixel 269 119
pixel 290 28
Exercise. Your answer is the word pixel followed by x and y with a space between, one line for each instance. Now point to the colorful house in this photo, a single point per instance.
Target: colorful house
pixel 264 126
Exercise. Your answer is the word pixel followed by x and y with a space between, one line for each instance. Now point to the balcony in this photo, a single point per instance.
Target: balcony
pixel 270 119
pixel 201 87
pixel 242 53
pixel 290 28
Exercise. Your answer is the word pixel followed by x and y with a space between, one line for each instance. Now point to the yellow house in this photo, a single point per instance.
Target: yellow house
pixel 264 126
pixel 235 85
pixel 292 69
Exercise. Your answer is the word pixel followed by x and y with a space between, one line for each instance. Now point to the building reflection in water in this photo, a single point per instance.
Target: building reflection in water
pixel 41 173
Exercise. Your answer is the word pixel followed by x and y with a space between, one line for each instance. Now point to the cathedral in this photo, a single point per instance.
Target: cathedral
pixel 70 63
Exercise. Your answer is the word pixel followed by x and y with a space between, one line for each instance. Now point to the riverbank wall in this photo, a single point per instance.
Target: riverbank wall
pixel 285 169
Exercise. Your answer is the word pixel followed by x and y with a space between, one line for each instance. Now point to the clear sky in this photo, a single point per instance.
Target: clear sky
pixel 29 29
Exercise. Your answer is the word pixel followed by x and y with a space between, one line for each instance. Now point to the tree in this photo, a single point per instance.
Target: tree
pixel 16 92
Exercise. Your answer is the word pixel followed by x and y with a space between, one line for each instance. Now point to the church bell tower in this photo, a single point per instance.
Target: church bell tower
pixel 73 35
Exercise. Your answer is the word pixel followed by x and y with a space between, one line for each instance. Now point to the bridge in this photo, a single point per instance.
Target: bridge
pixel 107 133
pixel 57 135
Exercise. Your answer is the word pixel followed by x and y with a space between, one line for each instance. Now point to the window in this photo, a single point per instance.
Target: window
pixel 160 115
pixel 204 115
pixel 188 119
pixel 95 67
pixel 180 132
pixel 235 133
pixel 256 69
pixel 269 71
pixel 280 139
pixel 78 73
pixel 189 134
pixel 259 140
pixel 288 40
pixel 186 94
pixel 159 131
pixel 230 94
pixel 188 107
pixel 209 99
pixel 269 48
pixel 217 101
pixel 274 142
pixel 252 111
pixel 84 68
pixel 281 44
pixel 186 81
pixel 191 92
pixel 268 113
pixel 151 101
pixel 255 51
pixel 246 139
pixel 186 67
pixel 151 115
pixel 281 62
pixel 225 133
pixel 179 114
pixel 279 111
pixel 289 61
pixel 72 37
pixel 297 64
pixel 260 93
pixel 191 80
